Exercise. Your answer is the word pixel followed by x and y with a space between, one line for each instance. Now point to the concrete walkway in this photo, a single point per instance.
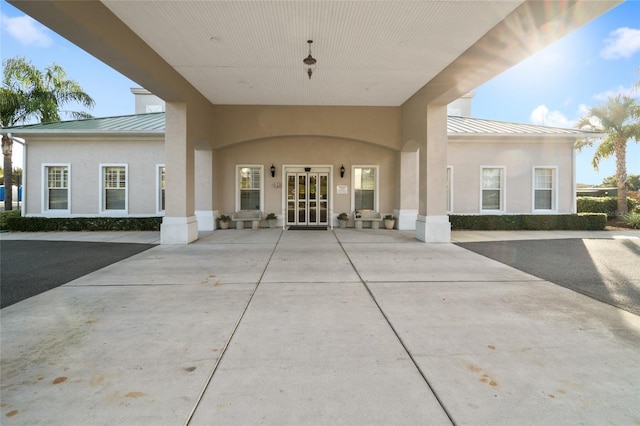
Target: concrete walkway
pixel 316 328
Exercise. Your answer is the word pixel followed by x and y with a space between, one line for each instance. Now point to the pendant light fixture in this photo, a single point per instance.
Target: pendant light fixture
pixel 310 61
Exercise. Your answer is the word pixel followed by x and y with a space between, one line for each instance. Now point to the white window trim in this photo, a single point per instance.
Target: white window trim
pixel 237 180
pixel 101 208
pixel 45 191
pixel 450 175
pixel 376 203
pixel 159 210
pixel 503 190
pixel 554 190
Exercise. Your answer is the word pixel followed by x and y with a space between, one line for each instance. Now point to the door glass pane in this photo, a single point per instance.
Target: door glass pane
pixel 291 187
pixel 312 212
pixel 301 212
pixel 302 187
pixel 291 212
pixel 323 212
pixel 324 187
pixel 312 187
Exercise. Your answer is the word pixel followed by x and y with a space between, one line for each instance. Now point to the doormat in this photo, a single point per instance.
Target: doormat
pixel 308 228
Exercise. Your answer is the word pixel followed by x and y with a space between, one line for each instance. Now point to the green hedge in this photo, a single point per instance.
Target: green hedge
pixel 44 224
pixel 532 222
pixel 5 215
pixel 607 205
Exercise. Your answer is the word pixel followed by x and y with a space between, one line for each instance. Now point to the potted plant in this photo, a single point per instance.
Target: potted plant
pixel 272 219
pixel 389 221
pixel 342 220
pixel 224 221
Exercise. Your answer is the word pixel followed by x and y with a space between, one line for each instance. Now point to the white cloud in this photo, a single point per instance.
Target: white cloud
pixel 621 43
pixel 542 116
pixel 26 30
pixel 620 90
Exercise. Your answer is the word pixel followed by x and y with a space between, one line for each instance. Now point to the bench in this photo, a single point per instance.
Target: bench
pixel 243 216
pixel 367 216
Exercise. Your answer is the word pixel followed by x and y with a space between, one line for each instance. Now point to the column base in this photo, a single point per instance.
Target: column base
pixel 206 220
pixel 178 230
pixel 406 219
pixel 433 229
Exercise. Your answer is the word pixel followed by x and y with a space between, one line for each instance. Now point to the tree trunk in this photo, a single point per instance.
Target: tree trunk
pixel 7 151
pixel 621 176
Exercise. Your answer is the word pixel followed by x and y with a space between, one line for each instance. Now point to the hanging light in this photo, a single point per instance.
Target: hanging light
pixel 309 61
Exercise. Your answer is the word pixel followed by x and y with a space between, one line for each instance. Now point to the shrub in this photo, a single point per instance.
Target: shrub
pixel 607 205
pixel 5 215
pixel 583 222
pixel 44 224
pixel 633 220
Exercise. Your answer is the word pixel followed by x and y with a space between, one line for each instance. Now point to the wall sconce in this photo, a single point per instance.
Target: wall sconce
pixel 273 171
pixel 342 171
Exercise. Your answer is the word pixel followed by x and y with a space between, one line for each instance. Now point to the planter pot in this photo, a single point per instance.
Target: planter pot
pixel 342 223
pixel 389 224
pixel 272 222
pixel 224 225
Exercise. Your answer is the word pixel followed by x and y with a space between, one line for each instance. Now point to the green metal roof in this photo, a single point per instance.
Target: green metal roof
pixel 154 123
pixel 138 123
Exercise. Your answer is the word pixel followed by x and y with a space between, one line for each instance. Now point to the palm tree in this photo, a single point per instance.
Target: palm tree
pixel 619 119
pixel 29 93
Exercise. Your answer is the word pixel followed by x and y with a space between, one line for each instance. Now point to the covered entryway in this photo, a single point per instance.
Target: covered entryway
pixel 307 196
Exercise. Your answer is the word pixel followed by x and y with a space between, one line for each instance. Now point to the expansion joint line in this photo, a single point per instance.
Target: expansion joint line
pixel 233 333
pixel 404 346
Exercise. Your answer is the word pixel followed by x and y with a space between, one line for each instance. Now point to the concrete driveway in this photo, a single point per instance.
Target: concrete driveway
pixel 307 327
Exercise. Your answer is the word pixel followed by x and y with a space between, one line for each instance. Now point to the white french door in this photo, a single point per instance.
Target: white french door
pixel 307 198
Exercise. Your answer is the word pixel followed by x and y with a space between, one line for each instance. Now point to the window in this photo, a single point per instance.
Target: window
pixel 449 189
pixel 56 194
pixel 492 189
pixel 113 193
pixel 544 188
pixel 249 196
pixel 160 185
pixel 365 188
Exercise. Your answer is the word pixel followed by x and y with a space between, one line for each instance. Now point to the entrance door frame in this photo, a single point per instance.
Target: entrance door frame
pixel 300 168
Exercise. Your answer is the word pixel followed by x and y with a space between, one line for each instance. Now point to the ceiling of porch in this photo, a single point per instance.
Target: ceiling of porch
pixel 369 53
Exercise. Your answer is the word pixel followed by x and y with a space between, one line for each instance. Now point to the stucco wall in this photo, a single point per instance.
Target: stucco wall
pixel 519 158
pixel 85 156
pixel 306 151
pixel 240 123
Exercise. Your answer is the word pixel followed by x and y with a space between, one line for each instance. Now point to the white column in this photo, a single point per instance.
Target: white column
pixel 179 226
pixel 433 223
pixel 204 190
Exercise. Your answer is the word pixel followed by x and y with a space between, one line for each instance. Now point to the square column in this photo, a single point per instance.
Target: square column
pixel 204 190
pixel 179 226
pixel 433 222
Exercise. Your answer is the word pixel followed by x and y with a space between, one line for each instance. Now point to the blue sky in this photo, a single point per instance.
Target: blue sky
pixel 553 87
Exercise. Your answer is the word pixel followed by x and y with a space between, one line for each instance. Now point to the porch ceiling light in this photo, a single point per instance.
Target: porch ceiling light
pixel 309 61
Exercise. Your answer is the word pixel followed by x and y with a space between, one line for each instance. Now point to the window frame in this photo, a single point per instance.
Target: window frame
pixel 102 198
pixel 45 190
pixel 159 195
pixel 238 186
pixel 376 195
pixel 503 190
pixel 554 189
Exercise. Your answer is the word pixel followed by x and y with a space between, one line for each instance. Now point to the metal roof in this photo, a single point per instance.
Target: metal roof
pixel 136 124
pixel 466 126
pixel 154 123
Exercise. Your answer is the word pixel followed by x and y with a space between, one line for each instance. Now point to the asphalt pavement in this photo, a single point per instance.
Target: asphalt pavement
pixel 607 270
pixel 30 267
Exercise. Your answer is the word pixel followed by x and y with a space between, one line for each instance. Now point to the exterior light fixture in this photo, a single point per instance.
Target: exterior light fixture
pixel 273 171
pixel 342 171
pixel 309 61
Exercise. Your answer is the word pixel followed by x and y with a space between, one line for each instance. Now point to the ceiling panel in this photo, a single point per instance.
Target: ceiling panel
pixel 368 52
